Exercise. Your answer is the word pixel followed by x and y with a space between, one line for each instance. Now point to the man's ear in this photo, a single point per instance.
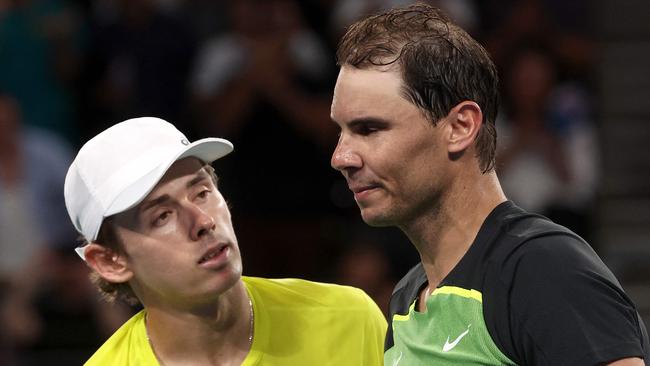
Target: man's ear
pixel 109 264
pixel 465 121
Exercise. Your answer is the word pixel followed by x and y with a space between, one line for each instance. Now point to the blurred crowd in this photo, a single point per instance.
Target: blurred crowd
pixel 259 73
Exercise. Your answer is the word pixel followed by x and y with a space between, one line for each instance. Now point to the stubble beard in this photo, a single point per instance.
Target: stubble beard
pixel 404 216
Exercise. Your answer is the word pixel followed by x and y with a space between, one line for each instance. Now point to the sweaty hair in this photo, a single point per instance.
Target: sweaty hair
pixel 112 291
pixel 440 65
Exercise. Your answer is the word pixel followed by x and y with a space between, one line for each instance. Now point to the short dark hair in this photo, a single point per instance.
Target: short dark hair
pixel 107 237
pixel 441 65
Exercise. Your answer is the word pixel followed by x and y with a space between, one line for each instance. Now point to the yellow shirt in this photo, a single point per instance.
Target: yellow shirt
pixel 297 322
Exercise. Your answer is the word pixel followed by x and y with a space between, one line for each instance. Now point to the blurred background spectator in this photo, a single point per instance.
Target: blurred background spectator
pixel 138 63
pixel 572 130
pixel 47 308
pixel 40 58
pixel 548 153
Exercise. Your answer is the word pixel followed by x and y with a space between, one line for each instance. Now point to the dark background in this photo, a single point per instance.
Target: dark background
pixel 573 132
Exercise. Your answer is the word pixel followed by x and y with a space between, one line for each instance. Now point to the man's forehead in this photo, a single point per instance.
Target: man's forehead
pixel 379 73
pixel 359 84
pixel 362 91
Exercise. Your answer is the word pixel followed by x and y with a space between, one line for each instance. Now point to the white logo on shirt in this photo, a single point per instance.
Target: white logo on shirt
pixel 398 359
pixel 449 346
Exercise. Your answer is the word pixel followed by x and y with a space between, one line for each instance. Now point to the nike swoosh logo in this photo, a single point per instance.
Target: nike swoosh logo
pixel 449 346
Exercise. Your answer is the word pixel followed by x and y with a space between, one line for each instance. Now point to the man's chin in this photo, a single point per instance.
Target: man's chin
pixel 225 284
pixel 375 219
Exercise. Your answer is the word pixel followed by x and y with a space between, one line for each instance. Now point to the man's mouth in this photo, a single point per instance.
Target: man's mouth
pixel 361 192
pixel 212 253
pixel 355 188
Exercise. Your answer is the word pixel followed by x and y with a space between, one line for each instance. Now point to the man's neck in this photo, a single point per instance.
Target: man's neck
pixel 444 235
pixel 221 335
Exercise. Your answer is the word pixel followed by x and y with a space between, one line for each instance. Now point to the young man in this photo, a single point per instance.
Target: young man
pixel 158 231
pixel 416 101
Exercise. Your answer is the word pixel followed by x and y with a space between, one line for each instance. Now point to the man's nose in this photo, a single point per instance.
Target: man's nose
pixel 344 157
pixel 203 222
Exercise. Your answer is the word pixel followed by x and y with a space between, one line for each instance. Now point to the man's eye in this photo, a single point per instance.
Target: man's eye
pixel 162 218
pixel 204 193
pixel 366 129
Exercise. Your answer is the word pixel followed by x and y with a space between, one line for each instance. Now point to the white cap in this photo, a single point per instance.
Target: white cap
pixel 116 170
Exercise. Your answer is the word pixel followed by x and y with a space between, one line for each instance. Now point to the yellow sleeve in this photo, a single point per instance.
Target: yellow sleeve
pixel 375 333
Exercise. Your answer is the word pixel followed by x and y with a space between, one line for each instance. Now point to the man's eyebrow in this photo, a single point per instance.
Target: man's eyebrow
pixel 363 120
pixel 368 120
pixel 154 202
pixel 200 177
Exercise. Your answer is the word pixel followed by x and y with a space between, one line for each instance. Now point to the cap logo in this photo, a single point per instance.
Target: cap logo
pixel 185 142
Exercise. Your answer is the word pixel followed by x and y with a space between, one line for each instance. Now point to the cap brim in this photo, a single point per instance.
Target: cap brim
pixel 207 150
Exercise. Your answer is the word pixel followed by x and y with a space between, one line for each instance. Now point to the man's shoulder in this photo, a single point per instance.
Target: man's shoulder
pixel 127 346
pixel 513 221
pixel 300 322
pixel 519 233
pixel 305 292
pixel 531 243
pixel 539 239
